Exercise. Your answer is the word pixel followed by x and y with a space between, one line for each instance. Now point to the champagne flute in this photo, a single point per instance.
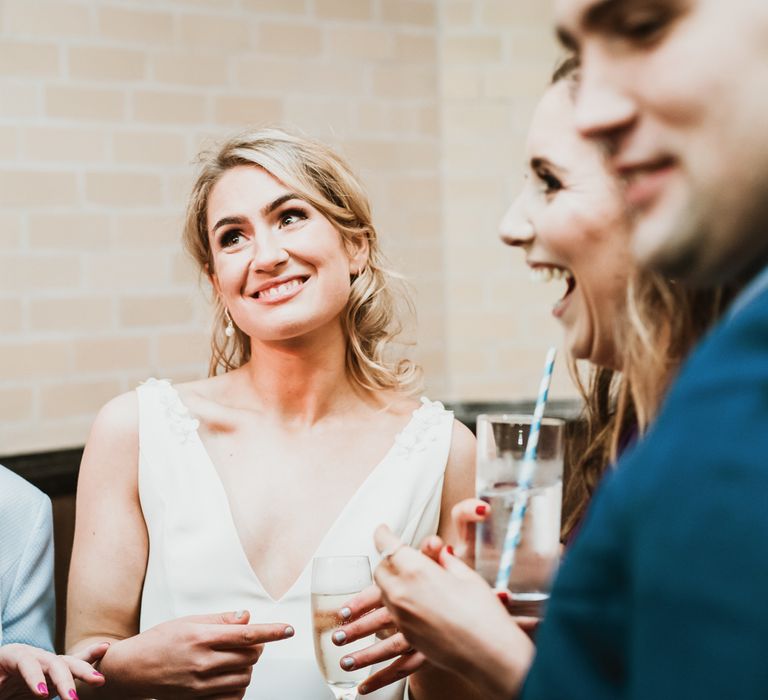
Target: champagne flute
pixel 334 581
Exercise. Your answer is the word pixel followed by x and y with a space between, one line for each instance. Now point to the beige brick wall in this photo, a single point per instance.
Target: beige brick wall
pixel 496 58
pixel 104 105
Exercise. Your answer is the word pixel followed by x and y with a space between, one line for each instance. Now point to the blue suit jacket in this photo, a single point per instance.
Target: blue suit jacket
pixel 26 564
pixel 664 593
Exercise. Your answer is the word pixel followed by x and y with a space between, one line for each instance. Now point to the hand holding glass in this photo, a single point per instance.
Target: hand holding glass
pixel 334 581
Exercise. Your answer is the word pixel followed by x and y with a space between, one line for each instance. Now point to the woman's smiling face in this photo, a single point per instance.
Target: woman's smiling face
pixel 279 265
pixel 570 219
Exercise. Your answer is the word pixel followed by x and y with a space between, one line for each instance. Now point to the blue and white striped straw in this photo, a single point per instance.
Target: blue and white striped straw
pixel 527 470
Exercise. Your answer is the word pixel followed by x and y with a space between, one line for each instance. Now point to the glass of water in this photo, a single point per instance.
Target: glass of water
pixel 334 581
pixel 501 443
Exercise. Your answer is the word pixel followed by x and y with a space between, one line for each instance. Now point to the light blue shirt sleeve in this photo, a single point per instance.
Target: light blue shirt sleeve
pixel 27 599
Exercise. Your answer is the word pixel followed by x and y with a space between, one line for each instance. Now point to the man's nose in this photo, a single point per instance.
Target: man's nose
pixel 604 108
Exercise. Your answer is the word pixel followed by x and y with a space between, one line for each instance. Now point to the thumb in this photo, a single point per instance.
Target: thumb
pixel 239 617
pixel 92 653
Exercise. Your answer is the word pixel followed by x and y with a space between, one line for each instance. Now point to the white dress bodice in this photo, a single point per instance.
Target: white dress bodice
pixel 196 561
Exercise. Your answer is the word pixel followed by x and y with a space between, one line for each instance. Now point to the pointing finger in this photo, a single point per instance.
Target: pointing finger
pixel 247 635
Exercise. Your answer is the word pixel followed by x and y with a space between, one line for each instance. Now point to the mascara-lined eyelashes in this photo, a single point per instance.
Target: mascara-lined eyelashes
pixel 290 217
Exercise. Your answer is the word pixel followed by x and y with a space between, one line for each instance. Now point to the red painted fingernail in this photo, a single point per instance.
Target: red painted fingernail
pixel 481 510
pixel 449 549
pixel 100 675
pixel 73 694
pixel 42 688
pixel 503 596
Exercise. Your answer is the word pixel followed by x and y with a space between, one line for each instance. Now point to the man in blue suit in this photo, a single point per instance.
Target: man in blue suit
pixel 663 594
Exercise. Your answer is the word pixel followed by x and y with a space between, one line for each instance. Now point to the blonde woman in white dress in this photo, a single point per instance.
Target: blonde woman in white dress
pixel 200 506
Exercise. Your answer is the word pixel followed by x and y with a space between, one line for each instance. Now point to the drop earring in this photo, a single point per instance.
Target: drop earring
pixel 229 329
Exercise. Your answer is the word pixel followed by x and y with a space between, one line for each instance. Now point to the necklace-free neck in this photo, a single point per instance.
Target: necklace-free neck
pixel 301 380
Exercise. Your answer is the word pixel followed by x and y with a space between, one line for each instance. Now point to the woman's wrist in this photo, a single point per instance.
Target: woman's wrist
pixel 501 661
pixel 113 666
pixel 435 683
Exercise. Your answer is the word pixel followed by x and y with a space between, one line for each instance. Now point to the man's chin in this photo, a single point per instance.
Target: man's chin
pixel 665 241
pixel 706 232
pixel 699 249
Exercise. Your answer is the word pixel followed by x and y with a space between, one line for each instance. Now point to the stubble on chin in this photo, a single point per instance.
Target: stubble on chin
pixel 672 247
pixel 711 242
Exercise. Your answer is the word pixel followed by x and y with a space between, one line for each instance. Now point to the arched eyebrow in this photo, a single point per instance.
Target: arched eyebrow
pixel 226 221
pixel 266 210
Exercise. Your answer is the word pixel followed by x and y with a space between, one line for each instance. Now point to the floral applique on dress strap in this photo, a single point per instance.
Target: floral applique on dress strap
pixel 179 419
pixel 423 430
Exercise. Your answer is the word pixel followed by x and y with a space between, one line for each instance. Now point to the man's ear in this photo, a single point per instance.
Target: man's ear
pixel 359 250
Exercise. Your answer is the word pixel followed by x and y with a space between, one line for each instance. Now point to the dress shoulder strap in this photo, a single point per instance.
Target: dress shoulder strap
pixel 166 432
pixel 427 437
pixel 161 411
pixel 420 457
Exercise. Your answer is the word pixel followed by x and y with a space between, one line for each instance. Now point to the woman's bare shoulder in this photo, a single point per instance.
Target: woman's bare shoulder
pixel 119 416
pixel 113 443
pixel 460 469
pixel 463 441
pixel 459 480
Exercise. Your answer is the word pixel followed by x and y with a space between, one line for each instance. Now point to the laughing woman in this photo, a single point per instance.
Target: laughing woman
pixel 215 495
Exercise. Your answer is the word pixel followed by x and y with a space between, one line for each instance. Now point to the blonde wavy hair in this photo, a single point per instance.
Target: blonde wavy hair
pixel 660 324
pixel 323 179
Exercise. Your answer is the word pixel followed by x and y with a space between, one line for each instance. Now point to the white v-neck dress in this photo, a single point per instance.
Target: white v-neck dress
pixel 196 561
